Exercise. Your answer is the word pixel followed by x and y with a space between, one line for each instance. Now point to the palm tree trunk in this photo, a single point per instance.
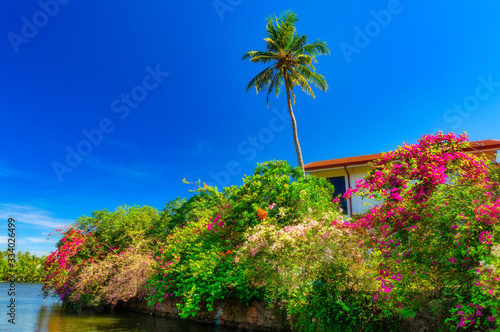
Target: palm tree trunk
pixel 294 126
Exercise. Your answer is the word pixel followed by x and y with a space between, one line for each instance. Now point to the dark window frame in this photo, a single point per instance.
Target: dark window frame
pixel 339 183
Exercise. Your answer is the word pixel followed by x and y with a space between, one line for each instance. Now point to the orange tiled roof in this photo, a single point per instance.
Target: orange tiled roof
pixel 485 145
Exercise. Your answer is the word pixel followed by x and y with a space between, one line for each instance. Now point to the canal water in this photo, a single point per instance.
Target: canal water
pixel 34 313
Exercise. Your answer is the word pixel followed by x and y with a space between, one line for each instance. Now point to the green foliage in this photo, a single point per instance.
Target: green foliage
pixel 27 267
pixel 196 264
pixel 327 308
pixel 275 182
pixel 119 229
pixel 430 248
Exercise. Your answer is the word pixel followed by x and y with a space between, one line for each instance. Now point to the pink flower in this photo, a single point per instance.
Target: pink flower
pixel 209 227
pixel 272 206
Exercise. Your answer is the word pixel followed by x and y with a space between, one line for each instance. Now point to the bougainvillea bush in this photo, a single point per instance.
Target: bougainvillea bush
pixel 100 255
pixel 64 264
pixel 434 236
pixel 118 277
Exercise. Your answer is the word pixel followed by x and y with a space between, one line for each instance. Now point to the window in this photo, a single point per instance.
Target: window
pixel 339 183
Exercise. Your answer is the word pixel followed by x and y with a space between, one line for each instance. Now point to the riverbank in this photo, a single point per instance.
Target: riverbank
pixel 256 316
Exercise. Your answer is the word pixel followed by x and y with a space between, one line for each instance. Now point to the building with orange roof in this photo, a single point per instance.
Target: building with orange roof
pixel 343 173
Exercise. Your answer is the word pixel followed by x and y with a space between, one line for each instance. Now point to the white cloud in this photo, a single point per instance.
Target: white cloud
pixel 38 240
pixel 26 240
pixel 31 215
pixel 40 253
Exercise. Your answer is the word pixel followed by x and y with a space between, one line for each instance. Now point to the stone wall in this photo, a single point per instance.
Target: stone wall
pixel 255 316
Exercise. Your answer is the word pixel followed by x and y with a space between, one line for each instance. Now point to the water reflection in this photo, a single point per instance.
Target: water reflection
pixel 34 313
pixel 59 321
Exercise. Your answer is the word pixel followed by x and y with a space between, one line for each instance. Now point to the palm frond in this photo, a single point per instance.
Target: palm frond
pixel 257 80
pixel 288 18
pixel 304 59
pixel 301 81
pixel 285 37
pixel 316 79
pixel 272 46
pixel 249 54
pixel 298 43
pixel 271 30
pixel 263 81
pixel 276 85
pixel 315 49
pixel 257 56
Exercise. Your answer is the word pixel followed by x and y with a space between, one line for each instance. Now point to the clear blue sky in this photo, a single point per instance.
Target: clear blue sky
pixel 159 87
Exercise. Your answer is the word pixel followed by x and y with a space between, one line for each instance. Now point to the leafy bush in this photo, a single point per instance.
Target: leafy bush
pixel 118 277
pixel 196 262
pixel 316 269
pixel 121 228
pixel 275 182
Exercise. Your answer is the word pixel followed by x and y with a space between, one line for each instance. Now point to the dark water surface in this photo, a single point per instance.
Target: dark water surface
pixel 34 313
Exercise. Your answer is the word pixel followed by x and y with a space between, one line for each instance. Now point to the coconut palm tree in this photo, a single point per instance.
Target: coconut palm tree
pixel 290 63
